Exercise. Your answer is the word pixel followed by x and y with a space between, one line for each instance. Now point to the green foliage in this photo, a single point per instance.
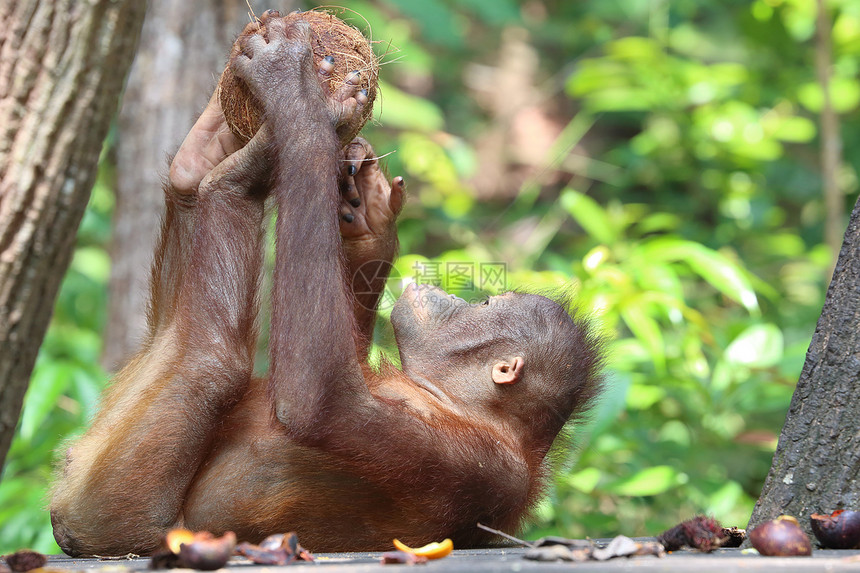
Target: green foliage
pixel 677 195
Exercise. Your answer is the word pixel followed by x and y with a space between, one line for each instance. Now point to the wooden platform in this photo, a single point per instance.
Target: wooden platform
pixel 511 560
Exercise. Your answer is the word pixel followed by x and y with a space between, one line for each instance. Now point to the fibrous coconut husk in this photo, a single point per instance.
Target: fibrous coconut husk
pixel 329 36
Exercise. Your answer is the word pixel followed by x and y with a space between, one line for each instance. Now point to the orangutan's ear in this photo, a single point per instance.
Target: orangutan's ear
pixel 509 372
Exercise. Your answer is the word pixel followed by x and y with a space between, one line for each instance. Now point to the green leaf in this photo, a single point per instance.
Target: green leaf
pixel 650 481
pixel 660 278
pixel 438 23
pixel 675 431
pixel 12 491
pixel 658 223
pixel 397 109
pixel 621 99
pixel 494 12
pixel 86 390
pixel 642 397
pixel 759 346
pixel 647 331
pixel 720 272
pixel 725 499
pixel 585 480
pixel 844 95
pixel 49 382
pixel 721 378
pixel 589 214
pixel 636 48
pixel 795 129
pixel 610 404
pixel 93 263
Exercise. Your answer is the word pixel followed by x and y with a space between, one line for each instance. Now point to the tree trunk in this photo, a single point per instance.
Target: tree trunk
pixel 62 67
pixel 183 48
pixel 816 467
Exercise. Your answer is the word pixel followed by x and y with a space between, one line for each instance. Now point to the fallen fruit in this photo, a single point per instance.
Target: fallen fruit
pixel 176 537
pixel 700 532
pixel 260 555
pixel 200 550
pixel 401 558
pixel 207 554
pixel 735 536
pixel 278 549
pixel 839 530
pixel 25 560
pixel 274 541
pixel 620 546
pixel 550 553
pixel 574 550
pixel 781 537
pixel 430 551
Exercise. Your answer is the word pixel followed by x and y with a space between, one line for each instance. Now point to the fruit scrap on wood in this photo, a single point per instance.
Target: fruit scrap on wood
pixel 402 558
pixel 552 553
pixel 781 537
pixel 200 550
pixel 839 530
pixel 278 549
pixel 620 546
pixel 579 550
pixel 702 533
pixel 735 536
pixel 430 551
pixel 25 560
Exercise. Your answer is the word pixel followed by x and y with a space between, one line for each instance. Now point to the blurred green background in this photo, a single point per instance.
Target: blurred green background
pixel 659 159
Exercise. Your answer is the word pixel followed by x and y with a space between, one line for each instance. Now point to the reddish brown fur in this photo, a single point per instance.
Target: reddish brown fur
pixel 347 458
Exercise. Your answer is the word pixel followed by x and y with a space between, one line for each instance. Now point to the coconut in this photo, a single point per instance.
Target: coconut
pixel 330 36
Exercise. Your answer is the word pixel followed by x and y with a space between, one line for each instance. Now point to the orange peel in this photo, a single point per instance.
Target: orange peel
pixel 435 550
pixel 176 538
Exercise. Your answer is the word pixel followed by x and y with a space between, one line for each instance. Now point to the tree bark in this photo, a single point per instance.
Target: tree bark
pixel 183 47
pixel 816 467
pixel 62 68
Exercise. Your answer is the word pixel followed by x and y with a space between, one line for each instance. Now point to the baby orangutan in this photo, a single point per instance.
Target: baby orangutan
pixel 346 457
